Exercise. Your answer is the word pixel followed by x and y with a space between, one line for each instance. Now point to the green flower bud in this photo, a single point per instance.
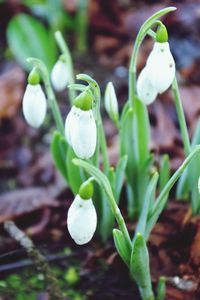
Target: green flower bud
pixel 34 77
pixel 86 190
pixel 162 34
pixel 84 101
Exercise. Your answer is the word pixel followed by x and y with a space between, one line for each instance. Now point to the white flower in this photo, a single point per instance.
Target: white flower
pixel 80 132
pixel 146 92
pixel 69 123
pixel 60 76
pixel 199 185
pixel 82 220
pixel 160 67
pixel 111 104
pixel 34 105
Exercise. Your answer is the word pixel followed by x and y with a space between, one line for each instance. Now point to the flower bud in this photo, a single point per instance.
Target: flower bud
pixel 34 105
pixel 146 92
pixel 82 220
pixel 60 75
pixel 160 67
pixel 111 104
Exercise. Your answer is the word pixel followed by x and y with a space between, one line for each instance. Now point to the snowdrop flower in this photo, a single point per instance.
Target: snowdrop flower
pixel 111 104
pixel 60 75
pixel 82 217
pixel 34 104
pixel 146 92
pixel 160 67
pixel 80 127
pixel 159 71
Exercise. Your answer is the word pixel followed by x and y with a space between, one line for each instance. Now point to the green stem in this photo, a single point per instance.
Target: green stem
pixel 69 65
pixel 181 117
pixel 140 36
pixel 103 181
pixel 49 91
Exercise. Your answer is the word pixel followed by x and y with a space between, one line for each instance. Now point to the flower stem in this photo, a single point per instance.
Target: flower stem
pixel 181 117
pixel 69 65
pixel 140 36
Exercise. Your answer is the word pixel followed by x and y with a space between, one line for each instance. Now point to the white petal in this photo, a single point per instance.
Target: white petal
pixel 146 92
pixel 69 123
pixel 111 104
pixel 59 76
pixel 161 67
pixel 82 220
pixel 34 105
pixel 84 134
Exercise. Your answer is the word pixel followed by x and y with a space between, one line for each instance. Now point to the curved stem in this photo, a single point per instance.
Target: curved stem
pixel 181 117
pixel 49 91
pixel 140 36
pixel 69 65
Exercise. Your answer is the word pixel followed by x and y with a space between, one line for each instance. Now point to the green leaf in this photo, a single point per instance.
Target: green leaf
pixel 185 184
pixel 120 170
pixel 161 289
pixel 162 198
pixel 75 177
pixel 28 37
pixel 59 153
pixel 121 246
pixel 141 133
pixel 126 141
pixel 164 171
pixel 149 198
pixel 107 218
pixel 139 267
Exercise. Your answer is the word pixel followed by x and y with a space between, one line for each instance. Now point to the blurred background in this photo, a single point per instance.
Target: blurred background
pixel 100 35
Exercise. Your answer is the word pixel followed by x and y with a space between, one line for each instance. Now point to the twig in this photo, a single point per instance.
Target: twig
pixel 38 259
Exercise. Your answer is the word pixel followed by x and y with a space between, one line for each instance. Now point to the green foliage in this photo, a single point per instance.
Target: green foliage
pixel 121 246
pixel 59 152
pixel 139 267
pixel 75 174
pixel 28 37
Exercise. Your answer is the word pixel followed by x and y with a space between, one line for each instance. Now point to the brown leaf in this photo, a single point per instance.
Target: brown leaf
pixel 12 88
pixel 22 201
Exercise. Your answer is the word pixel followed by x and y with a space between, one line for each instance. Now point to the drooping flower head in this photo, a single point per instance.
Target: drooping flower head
pixel 82 217
pixel 34 104
pixel 159 71
pixel 60 74
pixel 80 126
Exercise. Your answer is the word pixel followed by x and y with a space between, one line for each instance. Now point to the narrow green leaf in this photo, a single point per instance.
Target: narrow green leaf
pixel 141 133
pixel 149 198
pixel 75 178
pixel 184 184
pixel 59 153
pixel 120 170
pixel 121 246
pixel 28 37
pixel 139 267
pixel 164 171
pixel 126 143
pixel 161 289
pixel 162 198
